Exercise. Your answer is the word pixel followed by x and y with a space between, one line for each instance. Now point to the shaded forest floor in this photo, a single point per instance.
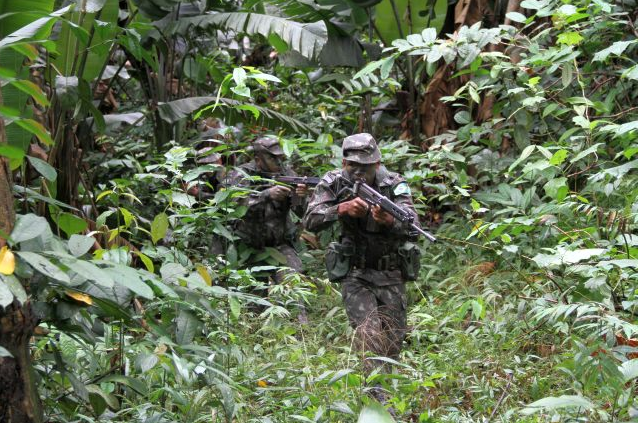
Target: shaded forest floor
pixel 470 355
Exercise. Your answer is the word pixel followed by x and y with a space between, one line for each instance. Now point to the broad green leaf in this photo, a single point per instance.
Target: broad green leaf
pixel 44 266
pixel 308 39
pixel 372 66
pixel 227 109
pixel 235 307
pixel 161 287
pixel 93 6
pixel 249 108
pixel 187 326
pixel 263 77
pixel 516 17
pixel 146 362
pixel 15 287
pixel 6 296
pixel 70 223
pixel 420 17
pixel 629 370
pixel 615 49
pixel 148 263
pixel 127 216
pixel 559 157
pixel 556 188
pixel 39 27
pixel 112 309
pixel 133 383
pixel 170 272
pixel 28 227
pixel 554 403
pixel 339 375
pixel 239 76
pixel 569 38
pixel 429 35
pixel 159 227
pixel 11 152
pixel 89 271
pixel 80 244
pixel 374 413
pixel 32 89
pixel 36 129
pixel 523 156
pixel 129 278
pixel 549 109
pixel 43 168
pixel 386 67
pixel 566 76
pixel 566 257
pixel 100 399
pixel 277 42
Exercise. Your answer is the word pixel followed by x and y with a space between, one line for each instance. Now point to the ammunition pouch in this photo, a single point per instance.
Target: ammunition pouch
pixel 338 260
pixel 409 261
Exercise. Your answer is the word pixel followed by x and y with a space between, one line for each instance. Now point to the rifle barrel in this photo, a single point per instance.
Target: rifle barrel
pixel 427 234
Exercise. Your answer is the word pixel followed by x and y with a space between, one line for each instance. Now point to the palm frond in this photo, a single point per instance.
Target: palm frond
pixel 232 112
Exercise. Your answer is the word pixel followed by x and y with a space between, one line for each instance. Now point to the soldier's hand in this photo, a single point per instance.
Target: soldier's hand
pixel 301 190
pixel 279 193
pixel 382 217
pixel 353 208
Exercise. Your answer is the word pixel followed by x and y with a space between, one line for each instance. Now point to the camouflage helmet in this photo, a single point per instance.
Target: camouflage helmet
pixel 268 145
pixel 361 148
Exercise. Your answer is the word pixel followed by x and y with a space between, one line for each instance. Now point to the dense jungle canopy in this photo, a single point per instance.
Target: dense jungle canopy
pixel 514 122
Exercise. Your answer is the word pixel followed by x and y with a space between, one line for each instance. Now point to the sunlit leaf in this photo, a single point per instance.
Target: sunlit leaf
pixel 374 413
pixel 159 227
pixel 7 261
pixel 80 297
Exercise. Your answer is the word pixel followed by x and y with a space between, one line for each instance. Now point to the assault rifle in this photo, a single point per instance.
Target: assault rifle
pixel 364 191
pixel 295 180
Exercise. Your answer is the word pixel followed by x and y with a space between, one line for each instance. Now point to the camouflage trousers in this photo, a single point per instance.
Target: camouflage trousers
pixel 375 303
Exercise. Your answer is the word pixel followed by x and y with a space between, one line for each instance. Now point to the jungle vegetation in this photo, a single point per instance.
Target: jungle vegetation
pixel 515 123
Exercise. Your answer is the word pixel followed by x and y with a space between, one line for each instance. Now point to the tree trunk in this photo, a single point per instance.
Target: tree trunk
pixel 7 214
pixel 19 401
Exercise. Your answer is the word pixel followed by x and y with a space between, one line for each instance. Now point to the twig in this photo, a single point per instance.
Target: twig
pixel 503 395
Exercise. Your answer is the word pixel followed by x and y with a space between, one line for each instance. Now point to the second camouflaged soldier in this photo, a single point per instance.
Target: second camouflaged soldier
pixel 267 222
pixel 368 259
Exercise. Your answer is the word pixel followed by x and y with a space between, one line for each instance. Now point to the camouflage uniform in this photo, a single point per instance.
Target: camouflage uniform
pixel 267 223
pixel 373 291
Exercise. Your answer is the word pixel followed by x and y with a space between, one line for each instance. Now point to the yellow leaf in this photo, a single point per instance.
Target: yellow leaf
pixel 7 261
pixel 262 384
pixel 204 273
pixel 478 225
pixel 78 296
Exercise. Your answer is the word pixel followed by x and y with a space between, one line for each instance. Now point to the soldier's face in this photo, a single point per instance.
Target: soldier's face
pixel 359 171
pixel 269 163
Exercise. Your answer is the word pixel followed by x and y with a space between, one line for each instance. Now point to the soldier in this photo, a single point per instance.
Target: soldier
pixel 267 222
pixel 368 259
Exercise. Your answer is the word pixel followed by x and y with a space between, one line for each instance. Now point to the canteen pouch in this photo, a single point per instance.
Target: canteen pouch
pixel 338 260
pixel 409 261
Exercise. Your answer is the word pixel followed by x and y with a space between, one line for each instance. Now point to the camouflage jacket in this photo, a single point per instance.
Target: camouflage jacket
pixel 267 223
pixel 372 240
